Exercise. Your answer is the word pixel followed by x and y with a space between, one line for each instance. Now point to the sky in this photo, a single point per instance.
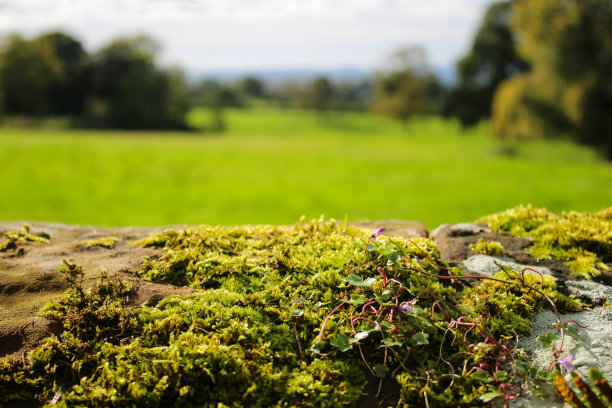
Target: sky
pixel 255 35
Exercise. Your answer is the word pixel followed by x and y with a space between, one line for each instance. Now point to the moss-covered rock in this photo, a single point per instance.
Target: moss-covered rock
pixel 311 315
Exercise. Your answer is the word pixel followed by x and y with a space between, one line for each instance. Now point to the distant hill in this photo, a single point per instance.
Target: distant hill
pixel 446 74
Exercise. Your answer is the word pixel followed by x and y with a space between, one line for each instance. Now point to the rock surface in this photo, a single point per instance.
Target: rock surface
pixel 487 265
pixel 29 276
pixel 595 346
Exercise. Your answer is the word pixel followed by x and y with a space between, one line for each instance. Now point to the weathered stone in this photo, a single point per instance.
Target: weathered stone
pixel 594 349
pixel 485 265
pixel 593 291
pixel 29 276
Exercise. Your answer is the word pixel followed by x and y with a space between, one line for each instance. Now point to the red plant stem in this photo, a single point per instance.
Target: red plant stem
pixel 327 318
pixel 430 261
pixel 361 266
pixel 578 324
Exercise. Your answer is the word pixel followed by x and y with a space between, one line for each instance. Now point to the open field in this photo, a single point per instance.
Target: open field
pixel 273 166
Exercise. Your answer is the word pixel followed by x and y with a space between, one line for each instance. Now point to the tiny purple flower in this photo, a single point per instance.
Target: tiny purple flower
pixel 377 233
pixel 406 308
pixel 566 363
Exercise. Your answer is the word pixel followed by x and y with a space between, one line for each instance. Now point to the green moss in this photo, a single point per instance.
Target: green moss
pixel 583 240
pixel 488 247
pixel 106 242
pixel 280 317
pixel 511 305
pixel 21 235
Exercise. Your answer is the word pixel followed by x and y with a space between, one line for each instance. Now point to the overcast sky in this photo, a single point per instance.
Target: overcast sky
pixel 211 35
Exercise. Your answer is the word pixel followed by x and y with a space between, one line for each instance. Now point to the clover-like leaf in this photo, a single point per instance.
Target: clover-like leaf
pixel 381 301
pixel 380 370
pixel 390 342
pixel 394 258
pixel 356 281
pixel 342 341
pixel 547 340
pixel 481 376
pixel 368 327
pixel 357 299
pixel 489 396
pixel 421 338
pixel 297 313
pixel 502 376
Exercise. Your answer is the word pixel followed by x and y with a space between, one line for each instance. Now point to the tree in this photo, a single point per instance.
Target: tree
pixel 569 90
pixel 129 92
pixel 492 59
pixel 319 95
pixel 408 87
pixel 43 76
pixel 252 87
pixel 28 72
pixel 69 89
pixel 217 97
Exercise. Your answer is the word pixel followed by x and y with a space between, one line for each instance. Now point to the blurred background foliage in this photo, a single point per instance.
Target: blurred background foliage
pixel 537 71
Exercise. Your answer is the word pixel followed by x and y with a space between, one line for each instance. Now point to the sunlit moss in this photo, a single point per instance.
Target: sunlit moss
pixel 277 320
pixel 583 240
pixel 22 234
pixel 488 247
pixel 105 242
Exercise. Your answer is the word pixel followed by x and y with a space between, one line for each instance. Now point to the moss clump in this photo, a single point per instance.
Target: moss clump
pixel 281 316
pixel 503 305
pixel 21 235
pixel 105 242
pixel 583 240
pixel 488 247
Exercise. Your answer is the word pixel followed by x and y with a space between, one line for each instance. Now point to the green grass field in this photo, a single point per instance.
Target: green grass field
pixel 273 166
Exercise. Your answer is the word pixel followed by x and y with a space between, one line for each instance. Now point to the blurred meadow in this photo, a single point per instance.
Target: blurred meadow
pixel 113 134
pixel 275 165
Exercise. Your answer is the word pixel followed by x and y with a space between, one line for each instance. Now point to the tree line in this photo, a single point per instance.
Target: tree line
pixel 119 86
pixel 540 69
pixel 536 69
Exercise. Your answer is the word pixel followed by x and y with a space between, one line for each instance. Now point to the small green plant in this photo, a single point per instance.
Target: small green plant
pixel 488 247
pixel 21 235
pixel 582 240
pixel 105 242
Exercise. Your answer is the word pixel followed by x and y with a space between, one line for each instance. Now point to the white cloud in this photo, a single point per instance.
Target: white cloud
pixel 250 34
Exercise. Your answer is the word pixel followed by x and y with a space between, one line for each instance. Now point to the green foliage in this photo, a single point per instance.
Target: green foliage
pixel 319 95
pixel 569 88
pixel 43 76
pixel 488 247
pixel 583 240
pixel 117 87
pixel 408 89
pixel 492 59
pixel 124 76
